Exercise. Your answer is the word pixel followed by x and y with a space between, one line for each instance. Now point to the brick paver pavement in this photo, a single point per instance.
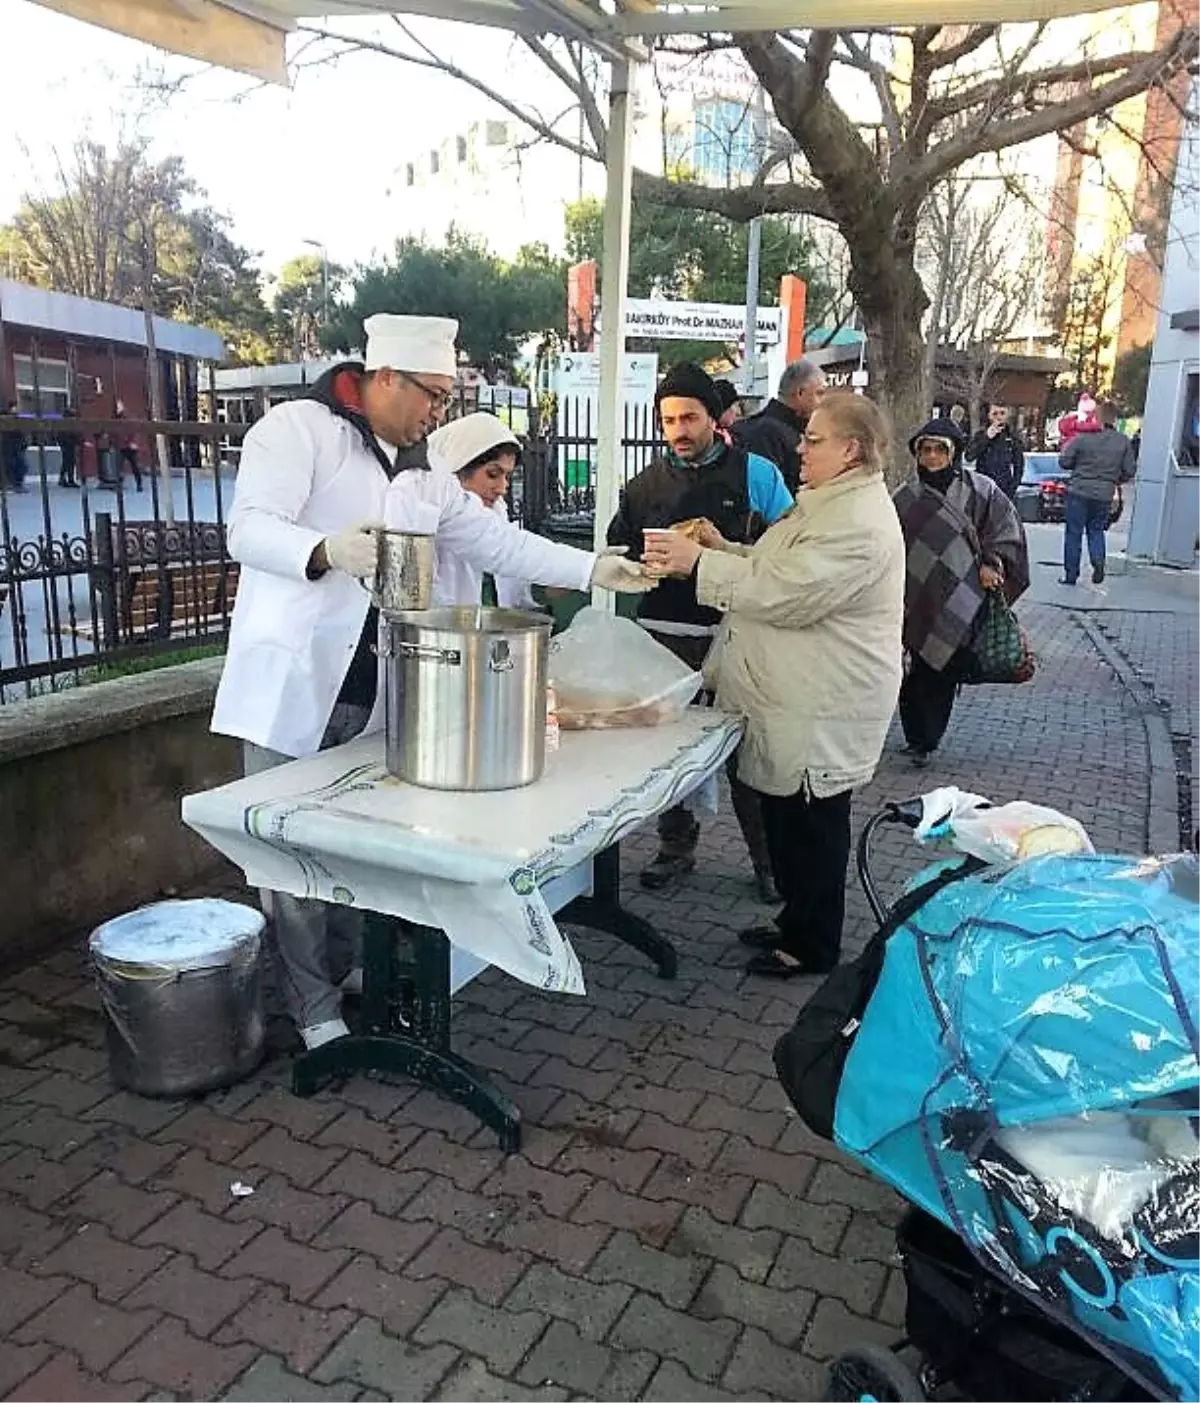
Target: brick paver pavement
pixel 669 1230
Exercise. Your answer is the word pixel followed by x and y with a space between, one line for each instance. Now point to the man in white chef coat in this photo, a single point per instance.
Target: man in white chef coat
pixel 316 475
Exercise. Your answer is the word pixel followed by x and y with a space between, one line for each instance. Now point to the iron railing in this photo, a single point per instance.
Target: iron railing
pixel 97 570
pixel 105 571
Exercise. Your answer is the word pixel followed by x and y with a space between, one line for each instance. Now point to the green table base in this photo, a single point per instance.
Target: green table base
pixel 406 1004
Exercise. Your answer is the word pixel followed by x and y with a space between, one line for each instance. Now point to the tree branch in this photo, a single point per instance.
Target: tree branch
pixel 575 83
pixel 739 203
pixel 1142 72
pixel 859 56
pixel 452 70
pixel 976 38
pixel 1013 82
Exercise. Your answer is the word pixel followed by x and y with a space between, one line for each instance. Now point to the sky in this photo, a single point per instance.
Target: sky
pixel 321 161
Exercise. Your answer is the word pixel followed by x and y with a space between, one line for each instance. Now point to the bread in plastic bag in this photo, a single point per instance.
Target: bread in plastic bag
pixel 608 672
pixel 1002 833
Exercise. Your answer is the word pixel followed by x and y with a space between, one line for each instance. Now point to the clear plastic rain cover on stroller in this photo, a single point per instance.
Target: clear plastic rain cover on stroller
pixel 1027 1071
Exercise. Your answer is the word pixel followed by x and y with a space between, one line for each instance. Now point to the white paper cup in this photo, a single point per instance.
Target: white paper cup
pixel 649 534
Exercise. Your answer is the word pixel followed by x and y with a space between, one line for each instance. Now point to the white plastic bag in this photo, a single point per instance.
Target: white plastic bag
pixel 607 671
pixel 1006 833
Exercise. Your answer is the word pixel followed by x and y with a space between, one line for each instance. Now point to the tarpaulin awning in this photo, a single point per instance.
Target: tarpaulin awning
pixel 249 35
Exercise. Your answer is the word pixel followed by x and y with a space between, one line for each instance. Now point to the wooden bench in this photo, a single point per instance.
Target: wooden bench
pixel 195 598
pixel 197 595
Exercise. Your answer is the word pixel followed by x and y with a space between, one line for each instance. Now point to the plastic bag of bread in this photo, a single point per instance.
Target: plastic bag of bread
pixel 1001 833
pixel 608 672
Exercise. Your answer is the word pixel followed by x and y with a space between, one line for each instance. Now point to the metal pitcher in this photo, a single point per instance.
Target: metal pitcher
pixel 404 564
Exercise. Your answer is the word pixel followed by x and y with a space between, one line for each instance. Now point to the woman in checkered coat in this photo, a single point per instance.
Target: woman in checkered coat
pixel 963 537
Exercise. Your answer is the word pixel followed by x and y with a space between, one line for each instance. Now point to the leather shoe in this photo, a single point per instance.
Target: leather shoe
pixel 664 870
pixel 777 964
pixel 768 892
pixel 760 937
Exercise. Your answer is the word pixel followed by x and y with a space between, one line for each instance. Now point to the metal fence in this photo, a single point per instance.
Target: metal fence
pixel 107 558
pixel 558 487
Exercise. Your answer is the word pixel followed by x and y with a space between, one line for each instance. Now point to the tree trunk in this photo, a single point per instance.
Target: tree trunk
pixel 893 302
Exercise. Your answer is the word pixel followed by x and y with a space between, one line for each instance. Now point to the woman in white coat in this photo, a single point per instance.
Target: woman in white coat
pixel 482 452
pixel 315 476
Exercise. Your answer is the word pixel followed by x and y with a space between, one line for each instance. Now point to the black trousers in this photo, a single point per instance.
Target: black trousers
pixel 926 701
pixel 129 455
pixel 809 843
pixel 678 830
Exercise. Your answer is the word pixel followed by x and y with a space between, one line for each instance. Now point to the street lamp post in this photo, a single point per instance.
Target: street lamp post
pixel 316 243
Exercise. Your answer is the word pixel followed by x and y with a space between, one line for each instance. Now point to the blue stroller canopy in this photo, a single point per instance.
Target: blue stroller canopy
pixel 1028 1072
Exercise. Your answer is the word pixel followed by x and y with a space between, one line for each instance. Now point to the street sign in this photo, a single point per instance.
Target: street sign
pixel 658 320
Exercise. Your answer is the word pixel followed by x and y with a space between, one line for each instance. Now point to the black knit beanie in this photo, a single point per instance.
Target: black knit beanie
pixel 689 381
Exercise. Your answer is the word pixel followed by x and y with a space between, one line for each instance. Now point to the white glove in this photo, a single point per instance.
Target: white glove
pixel 613 571
pixel 355 551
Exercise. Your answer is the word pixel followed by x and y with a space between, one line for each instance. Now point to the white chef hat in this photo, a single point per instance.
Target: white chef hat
pixel 422 345
pixel 463 440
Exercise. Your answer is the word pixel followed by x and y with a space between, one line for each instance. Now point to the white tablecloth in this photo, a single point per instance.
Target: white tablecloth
pixel 338 827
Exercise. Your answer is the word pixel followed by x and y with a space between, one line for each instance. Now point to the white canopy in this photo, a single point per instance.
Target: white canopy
pixel 249 35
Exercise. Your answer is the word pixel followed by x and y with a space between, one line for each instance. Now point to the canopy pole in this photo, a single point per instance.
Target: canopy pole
pixel 614 277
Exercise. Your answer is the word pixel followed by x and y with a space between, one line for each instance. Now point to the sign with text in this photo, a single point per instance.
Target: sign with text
pixel 698 321
pixel 578 373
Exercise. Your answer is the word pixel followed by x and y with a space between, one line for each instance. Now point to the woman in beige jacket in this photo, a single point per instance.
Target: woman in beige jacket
pixel 810 654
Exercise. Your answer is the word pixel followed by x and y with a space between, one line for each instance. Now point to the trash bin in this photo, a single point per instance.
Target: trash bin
pixel 108 470
pixel 181 986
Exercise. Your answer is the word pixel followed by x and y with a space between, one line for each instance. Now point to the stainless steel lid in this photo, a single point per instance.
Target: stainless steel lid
pixel 468 620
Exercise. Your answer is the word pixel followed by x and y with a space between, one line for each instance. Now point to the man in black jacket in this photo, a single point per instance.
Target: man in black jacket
pixel 997 452
pixel 776 430
pixel 699 475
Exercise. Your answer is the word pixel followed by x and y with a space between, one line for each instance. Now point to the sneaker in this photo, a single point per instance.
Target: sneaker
pixel 1097 574
pixel 664 870
pixel 1064 580
pixel 318 1034
pixel 920 758
pixel 352 984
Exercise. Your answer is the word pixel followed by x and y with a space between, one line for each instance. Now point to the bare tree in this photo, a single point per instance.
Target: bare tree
pixel 979 257
pixel 944 95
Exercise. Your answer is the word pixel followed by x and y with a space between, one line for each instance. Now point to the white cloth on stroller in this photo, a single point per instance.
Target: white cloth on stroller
pixel 1104 1166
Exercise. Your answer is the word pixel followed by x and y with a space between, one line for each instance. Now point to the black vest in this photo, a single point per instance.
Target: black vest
pixel 667 492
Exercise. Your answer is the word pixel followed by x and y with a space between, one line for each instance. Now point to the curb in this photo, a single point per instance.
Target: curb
pixel 1162 808
pixel 1181 580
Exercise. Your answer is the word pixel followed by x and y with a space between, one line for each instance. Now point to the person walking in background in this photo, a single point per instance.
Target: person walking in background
pixel 1080 420
pixel 809 654
pixel 741 493
pixel 731 401
pixel 1096 465
pixel 996 451
pixel 68 448
pixel 775 431
pixel 963 538
pixel 128 449
pixel 13 445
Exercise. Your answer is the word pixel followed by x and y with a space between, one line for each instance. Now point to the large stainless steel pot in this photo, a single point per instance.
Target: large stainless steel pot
pixel 465 695
pixel 181 986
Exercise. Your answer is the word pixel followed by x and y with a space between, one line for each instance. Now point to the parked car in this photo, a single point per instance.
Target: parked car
pixel 1042 494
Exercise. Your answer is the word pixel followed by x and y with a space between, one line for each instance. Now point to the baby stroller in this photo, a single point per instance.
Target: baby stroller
pixel 1016 1052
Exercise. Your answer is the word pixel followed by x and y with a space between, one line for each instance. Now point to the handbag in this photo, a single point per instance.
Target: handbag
pixel 1000 648
pixel 811 1056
